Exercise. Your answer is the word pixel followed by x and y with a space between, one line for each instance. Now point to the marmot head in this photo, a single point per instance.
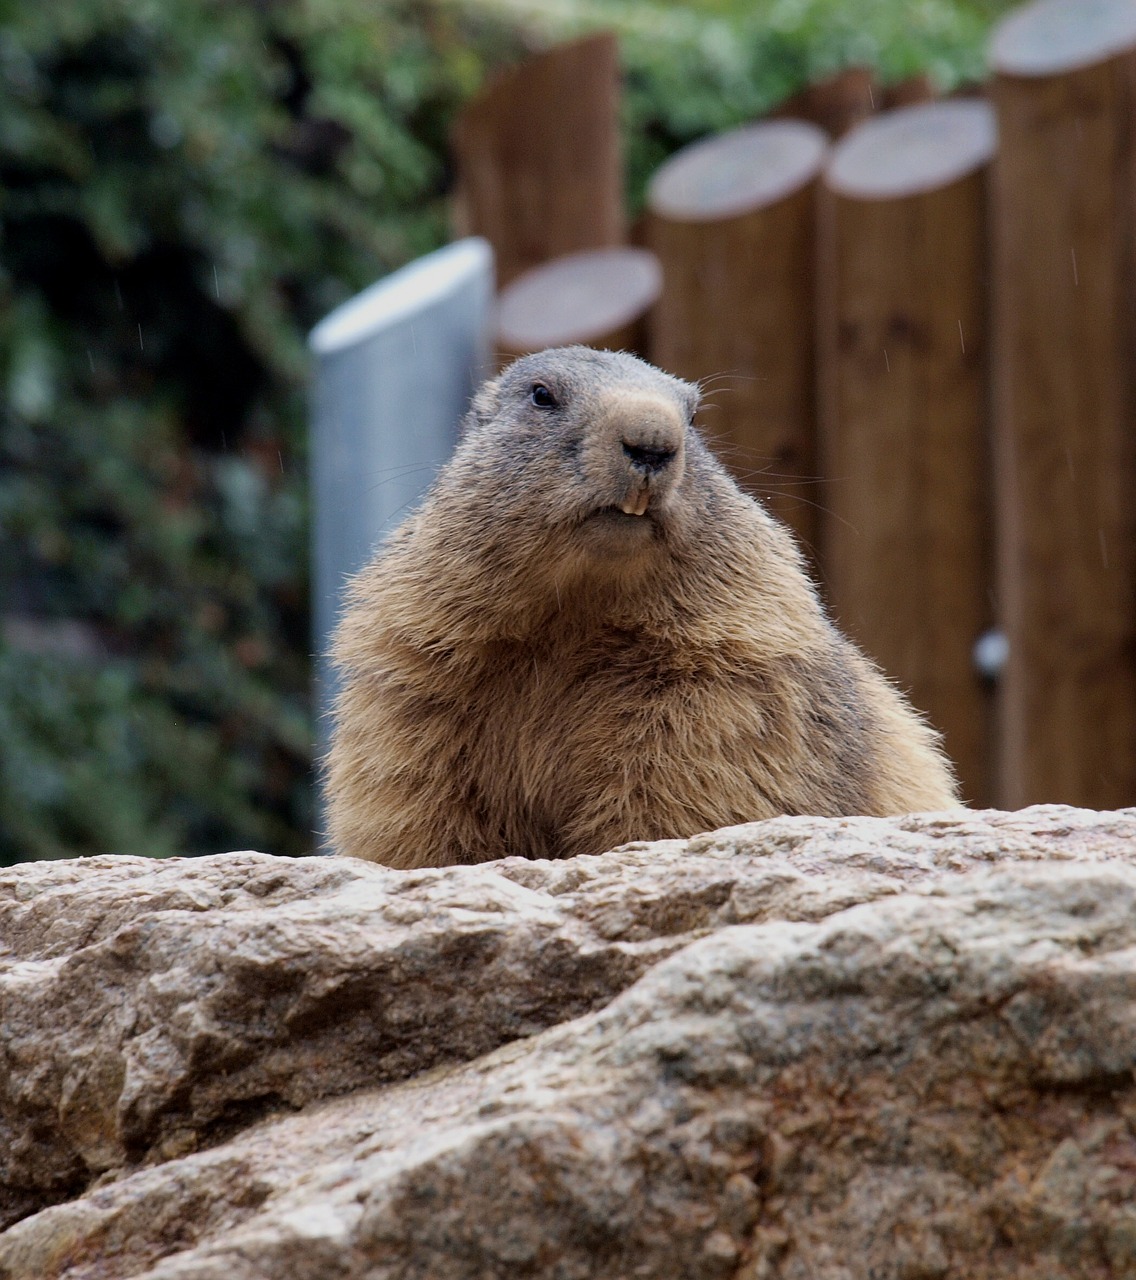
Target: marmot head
pixel 580 491
pixel 594 443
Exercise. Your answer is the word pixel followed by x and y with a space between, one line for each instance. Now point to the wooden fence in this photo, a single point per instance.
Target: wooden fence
pixel 919 340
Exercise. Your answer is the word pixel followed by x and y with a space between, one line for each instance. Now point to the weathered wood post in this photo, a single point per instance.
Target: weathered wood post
pixel 395 368
pixel 539 164
pixel 599 298
pixel 837 103
pixel 733 222
pixel 906 526
pixel 1064 237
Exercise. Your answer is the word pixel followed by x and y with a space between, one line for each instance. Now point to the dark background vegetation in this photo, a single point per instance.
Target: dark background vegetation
pixel 186 186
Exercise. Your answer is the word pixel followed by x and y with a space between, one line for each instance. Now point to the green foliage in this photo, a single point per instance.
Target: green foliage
pixel 186 186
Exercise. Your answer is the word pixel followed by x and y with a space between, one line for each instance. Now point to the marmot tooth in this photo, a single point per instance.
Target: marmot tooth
pixel 636 506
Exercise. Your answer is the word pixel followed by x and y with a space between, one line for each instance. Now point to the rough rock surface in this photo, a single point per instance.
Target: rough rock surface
pixel 805 1049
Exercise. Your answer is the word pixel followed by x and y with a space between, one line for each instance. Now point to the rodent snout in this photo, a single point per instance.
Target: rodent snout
pixel 652 456
pixel 649 458
pixel 634 452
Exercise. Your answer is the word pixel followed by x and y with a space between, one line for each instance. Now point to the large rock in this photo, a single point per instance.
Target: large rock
pixel 801 1048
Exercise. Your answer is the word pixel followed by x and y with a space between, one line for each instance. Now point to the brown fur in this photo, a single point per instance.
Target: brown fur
pixel 528 670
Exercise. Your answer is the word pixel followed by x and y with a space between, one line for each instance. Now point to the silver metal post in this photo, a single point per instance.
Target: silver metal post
pixel 395 369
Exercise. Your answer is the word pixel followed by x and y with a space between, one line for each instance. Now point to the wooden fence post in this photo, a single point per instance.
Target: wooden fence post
pixel 539 166
pixel 837 103
pixel 1064 238
pixel 733 222
pixel 599 298
pixel 903 422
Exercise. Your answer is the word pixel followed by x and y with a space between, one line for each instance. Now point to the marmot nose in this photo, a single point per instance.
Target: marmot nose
pixel 649 458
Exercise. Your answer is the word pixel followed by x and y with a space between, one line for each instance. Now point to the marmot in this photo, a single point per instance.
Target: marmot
pixel 587 634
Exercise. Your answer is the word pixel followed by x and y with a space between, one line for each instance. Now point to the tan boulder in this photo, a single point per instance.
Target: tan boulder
pixel 803 1048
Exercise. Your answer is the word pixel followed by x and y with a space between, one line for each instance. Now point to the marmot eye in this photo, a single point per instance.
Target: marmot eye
pixel 542 397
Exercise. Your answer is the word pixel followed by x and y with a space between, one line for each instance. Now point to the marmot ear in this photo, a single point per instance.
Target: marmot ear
pixel 484 405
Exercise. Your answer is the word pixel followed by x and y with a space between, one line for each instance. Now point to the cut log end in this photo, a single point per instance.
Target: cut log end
pixel 738 172
pixel 912 150
pixel 1052 37
pixel 588 298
